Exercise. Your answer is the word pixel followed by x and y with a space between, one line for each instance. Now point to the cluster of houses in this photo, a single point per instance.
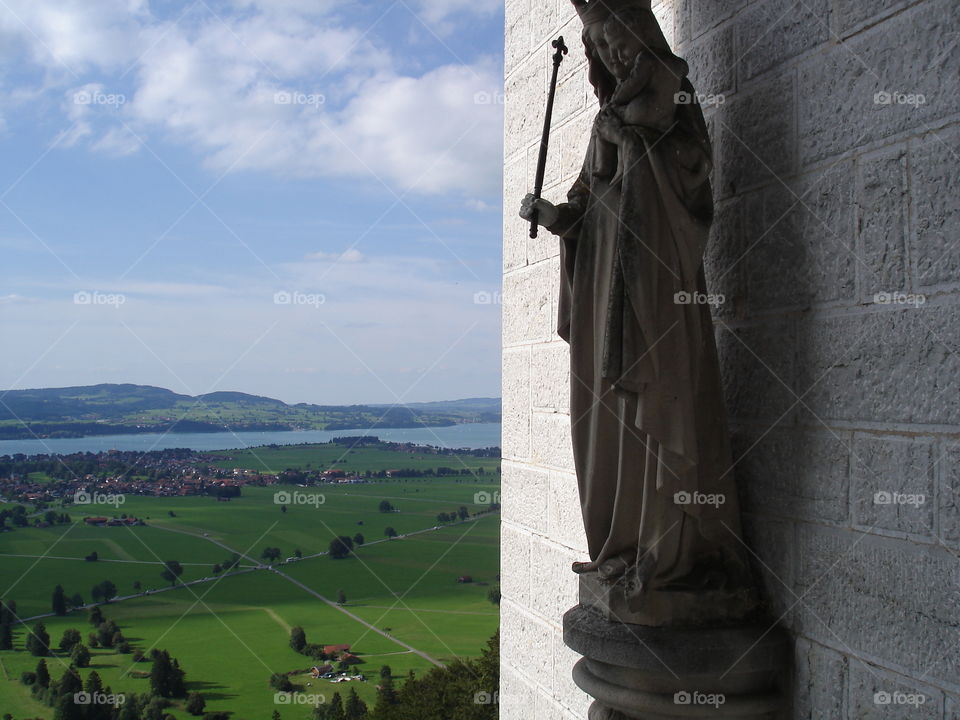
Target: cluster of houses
pixel 341 654
pixel 113 522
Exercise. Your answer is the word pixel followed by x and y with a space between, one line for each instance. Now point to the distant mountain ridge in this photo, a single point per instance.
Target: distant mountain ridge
pixel 123 408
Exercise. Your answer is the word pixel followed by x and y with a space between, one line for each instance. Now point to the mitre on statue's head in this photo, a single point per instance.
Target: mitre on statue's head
pixel 596 11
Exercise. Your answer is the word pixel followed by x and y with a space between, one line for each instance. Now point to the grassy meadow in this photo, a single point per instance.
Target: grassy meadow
pixel 231 633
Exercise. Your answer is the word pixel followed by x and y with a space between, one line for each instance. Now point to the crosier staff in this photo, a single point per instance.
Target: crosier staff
pixel 545 141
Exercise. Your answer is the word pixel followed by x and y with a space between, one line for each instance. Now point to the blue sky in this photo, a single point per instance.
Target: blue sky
pixel 294 198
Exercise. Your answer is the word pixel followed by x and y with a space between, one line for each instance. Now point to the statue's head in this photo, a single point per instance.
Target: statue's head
pixel 615 32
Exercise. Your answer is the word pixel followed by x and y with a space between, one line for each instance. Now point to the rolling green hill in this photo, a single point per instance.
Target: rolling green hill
pixel 119 409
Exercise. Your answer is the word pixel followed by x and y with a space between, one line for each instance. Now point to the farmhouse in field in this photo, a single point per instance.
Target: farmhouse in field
pixel 332 650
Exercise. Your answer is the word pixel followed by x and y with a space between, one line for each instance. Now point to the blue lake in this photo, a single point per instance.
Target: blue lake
pixel 471 435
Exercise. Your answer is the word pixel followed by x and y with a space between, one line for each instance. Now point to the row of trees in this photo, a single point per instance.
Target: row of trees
pixel 466 690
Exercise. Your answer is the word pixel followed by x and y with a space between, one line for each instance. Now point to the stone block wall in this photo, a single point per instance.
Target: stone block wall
pixel 836 129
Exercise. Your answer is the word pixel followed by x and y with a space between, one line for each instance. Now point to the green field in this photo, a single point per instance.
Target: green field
pixel 231 633
pixel 275 459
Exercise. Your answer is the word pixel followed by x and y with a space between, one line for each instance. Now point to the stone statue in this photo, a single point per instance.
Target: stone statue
pixel 650 440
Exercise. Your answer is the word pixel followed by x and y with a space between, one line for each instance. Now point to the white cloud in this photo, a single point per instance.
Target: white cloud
pixel 351 255
pixel 214 83
pixel 438 13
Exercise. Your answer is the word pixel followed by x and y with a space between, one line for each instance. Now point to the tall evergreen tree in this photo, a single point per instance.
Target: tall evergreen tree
pixel 6 637
pixel 59 601
pixel 96 616
pixel 355 708
pixel 43 674
pixel 38 641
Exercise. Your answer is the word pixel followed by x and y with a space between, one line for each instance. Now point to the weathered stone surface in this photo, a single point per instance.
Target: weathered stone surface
pixel 550 364
pixel 884 207
pixel 517 34
pixel 754 136
pixel 665 16
pixel 772 554
pixel 528 305
pixel 515 230
pixel 881 695
pixel 757 366
pixel 551 575
pixel 545 20
pixel 872 62
pixel 949 501
pixel 894 366
pixel 725 259
pixel 523 491
pixel 706 14
pixel 895 601
pixel 516 694
pixel 568 694
pixel 712 63
pixel 805 251
pixel 935 245
pixel 516 404
pixel 554 446
pixel 820 683
pixel 849 16
pixel 794 473
pixel 515 564
pixel 523 640
pixel 574 137
pixel 565 523
pixel 773 32
pixel 952 709
pixel 524 89
pixel 893 484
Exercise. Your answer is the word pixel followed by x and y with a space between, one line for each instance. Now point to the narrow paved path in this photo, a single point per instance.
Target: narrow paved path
pixel 358 619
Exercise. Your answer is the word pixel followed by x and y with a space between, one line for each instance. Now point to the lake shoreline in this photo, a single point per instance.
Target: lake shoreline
pixel 460 435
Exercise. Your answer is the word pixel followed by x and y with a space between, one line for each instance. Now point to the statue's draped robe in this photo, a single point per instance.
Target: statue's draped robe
pixel 646 409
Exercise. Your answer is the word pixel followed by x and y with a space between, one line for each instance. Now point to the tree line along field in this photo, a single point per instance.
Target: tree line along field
pixel 328 456
pixel 231 633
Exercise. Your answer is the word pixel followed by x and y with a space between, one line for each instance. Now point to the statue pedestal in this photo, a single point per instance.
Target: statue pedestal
pixel 660 673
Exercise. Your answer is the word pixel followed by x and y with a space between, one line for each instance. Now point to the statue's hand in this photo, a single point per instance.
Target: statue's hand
pixel 610 125
pixel 547 212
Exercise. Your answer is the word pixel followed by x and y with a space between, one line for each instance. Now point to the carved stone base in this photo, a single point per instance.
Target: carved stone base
pixel 666 608
pixel 665 673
